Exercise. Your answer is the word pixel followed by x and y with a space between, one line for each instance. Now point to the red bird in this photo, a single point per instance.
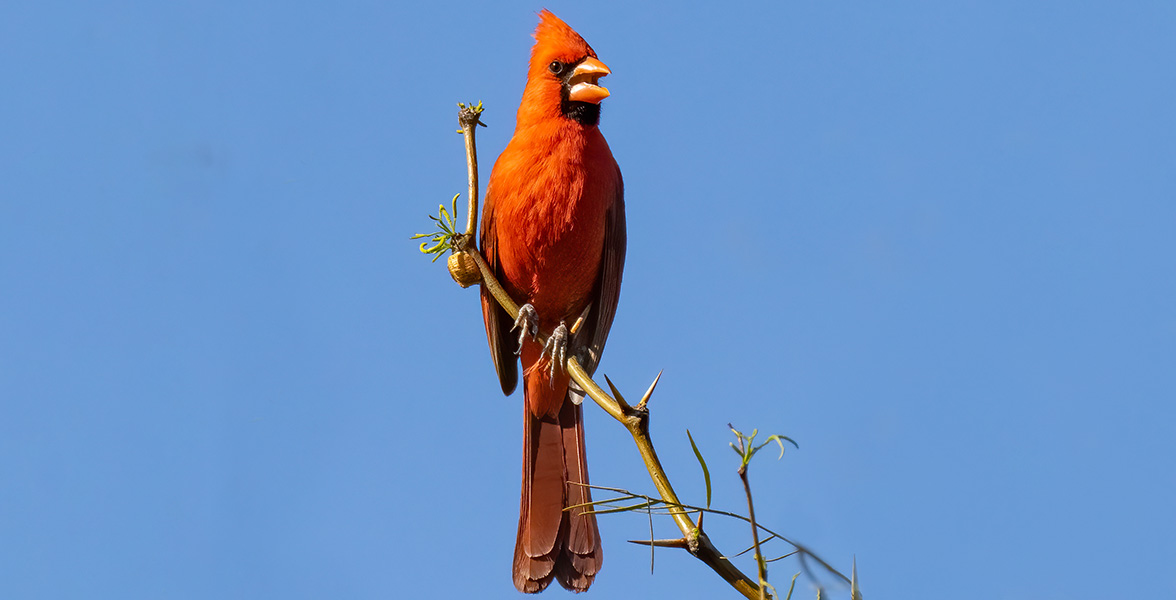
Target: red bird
pixel 553 230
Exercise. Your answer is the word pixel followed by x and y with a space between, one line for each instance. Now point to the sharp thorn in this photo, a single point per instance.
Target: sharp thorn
pixel 678 543
pixel 616 393
pixel 649 392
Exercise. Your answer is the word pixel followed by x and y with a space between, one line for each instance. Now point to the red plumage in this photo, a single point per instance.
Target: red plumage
pixel 553 230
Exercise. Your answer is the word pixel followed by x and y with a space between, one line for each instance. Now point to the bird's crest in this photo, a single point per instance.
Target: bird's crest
pixel 552 34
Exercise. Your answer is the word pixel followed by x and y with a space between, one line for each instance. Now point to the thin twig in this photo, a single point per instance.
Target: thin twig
pixel 750 548
pixel 468 117
pixel 761 568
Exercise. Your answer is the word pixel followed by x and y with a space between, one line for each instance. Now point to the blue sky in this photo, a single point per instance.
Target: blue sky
pixel 934 243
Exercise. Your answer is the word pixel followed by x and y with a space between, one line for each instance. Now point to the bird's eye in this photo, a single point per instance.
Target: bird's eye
pixel 555 67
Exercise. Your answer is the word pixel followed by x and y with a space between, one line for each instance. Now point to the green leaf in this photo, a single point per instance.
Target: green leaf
pixel 705 471
pixel 779 439
pixel 442 239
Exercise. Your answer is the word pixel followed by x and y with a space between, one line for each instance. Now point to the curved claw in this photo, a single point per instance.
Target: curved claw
pixel 557 347
pixel 527 323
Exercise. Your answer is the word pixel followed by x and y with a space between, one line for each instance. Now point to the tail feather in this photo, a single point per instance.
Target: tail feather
pixel 583 537
pixel 552 542
pixel 541 504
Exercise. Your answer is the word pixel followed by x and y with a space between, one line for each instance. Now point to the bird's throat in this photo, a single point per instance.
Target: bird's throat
pixel 584 113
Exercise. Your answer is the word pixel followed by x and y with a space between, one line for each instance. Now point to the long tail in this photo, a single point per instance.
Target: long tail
pixel 553 542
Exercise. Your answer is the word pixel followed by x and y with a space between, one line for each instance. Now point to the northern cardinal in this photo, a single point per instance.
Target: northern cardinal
pixel 553 231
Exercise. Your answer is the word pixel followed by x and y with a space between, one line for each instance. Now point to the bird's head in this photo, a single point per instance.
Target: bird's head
pixel 562 80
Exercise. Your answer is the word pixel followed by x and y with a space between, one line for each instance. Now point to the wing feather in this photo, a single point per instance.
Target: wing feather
pixel 498 323
pixel 607 292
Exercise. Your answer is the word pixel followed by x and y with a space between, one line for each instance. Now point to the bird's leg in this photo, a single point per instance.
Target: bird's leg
pixel 557 347
pixel 527 323
pixel 581 353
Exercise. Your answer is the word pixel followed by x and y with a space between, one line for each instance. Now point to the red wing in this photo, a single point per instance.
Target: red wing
pixel 498 323
pixel 608 283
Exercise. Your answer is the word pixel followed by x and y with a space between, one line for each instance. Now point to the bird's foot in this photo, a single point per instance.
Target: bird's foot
pixel 527 323
pixel 557 347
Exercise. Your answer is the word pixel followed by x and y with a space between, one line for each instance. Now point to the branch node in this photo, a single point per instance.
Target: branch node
pixel 692 540
pixel 469 116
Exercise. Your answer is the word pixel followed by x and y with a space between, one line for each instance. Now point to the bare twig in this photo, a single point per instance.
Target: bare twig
pixel 761 567
pixel 470 117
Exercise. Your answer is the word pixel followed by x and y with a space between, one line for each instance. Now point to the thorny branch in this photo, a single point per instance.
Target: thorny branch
pixel 634 418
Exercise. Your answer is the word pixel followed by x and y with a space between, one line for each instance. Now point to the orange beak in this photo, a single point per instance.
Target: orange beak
pixel 583 81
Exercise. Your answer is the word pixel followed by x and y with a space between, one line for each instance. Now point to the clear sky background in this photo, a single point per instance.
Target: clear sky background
pixel 933 242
